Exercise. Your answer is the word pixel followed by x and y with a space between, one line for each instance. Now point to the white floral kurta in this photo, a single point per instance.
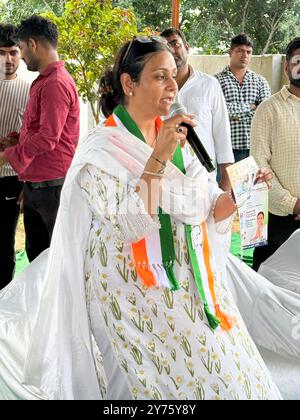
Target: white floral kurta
pixel 161 339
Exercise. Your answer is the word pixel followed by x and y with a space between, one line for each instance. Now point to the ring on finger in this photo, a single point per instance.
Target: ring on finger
pixel 179 129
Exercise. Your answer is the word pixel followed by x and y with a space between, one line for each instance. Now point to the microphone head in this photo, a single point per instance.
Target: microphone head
pixel 177 108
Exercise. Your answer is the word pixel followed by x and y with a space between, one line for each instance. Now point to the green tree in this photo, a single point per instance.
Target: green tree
pixel 265 21
pixel 209 24
pixel 15 10
pixel 2 10
pixel 91 31
pixel 150 13
pixel 222 20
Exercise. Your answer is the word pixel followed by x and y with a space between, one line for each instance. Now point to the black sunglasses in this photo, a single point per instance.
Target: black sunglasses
pixel 142 40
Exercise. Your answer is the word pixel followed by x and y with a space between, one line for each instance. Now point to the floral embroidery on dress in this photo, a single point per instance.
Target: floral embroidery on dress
pixel 161 339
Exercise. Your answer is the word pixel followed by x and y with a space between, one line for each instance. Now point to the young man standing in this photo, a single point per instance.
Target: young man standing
pixel 49 134
pixel 202 96
pixel 275 144
pixel 244 90
pixel 14 94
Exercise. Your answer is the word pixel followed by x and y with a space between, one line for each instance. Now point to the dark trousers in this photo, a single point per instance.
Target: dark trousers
pixel 40 211
pixel 240 154
pixel 280 228
pixel 10 189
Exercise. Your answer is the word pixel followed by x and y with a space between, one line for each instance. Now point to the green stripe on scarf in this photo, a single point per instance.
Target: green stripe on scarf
pixel 129 123
pixel 166 234
pixel 212 319
pixel 167 248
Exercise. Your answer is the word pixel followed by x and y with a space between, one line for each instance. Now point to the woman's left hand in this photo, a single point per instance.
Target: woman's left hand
pixel 263 175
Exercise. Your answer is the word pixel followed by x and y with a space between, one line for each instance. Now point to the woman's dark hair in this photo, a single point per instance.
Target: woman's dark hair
pixel 261 213
pixel 293 46
pixel 38 28
pixel 8 36
pixel 131 59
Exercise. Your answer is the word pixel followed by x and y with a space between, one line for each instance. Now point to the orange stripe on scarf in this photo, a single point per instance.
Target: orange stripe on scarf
pixel 139 249
pixel 140 256
pixel 110 122
pixel 226 321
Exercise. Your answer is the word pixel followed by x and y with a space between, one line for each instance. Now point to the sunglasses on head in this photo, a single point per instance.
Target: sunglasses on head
pixel 142 40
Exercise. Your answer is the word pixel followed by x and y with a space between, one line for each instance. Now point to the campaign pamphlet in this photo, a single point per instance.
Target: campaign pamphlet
pixel 252 202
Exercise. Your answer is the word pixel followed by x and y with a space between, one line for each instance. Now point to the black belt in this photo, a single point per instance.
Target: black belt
pixel 51 183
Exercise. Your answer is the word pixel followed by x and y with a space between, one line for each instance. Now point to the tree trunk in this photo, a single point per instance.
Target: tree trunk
pixel 270 37
pixel 94 112
pixel 274 26
pixel 245 15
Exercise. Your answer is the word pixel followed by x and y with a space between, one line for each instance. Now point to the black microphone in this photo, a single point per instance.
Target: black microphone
pixel 193 138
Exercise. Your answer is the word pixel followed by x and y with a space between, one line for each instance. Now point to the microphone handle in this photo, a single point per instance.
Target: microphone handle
pixel 198 148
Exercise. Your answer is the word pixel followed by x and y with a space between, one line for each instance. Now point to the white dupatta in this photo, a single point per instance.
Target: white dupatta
pixel 59 360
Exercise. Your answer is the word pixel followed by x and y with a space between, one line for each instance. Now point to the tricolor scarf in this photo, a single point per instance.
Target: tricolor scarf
pixel 154 255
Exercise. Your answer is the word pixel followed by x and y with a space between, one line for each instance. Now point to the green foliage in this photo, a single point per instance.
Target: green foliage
pixel 209 24
pixel 91 31
pixel 15 10
pixel 150 13
pixel 269 23
pixel 2 10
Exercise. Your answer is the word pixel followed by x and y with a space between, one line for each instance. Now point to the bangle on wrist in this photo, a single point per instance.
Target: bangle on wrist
pixel 162 162
pixel 156 174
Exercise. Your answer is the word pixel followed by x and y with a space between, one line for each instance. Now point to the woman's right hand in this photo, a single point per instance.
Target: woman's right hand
pixel 171 133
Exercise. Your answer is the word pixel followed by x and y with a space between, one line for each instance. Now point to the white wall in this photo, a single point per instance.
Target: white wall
pixel 268 66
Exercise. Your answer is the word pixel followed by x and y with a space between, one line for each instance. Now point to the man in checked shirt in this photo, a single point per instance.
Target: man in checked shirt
pixel 275 144
pixel 244 90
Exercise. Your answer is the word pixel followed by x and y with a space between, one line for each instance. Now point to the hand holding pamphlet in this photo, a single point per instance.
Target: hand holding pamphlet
pixel 252 202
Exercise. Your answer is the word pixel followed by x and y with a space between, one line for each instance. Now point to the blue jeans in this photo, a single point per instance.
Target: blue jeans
pixel 240 154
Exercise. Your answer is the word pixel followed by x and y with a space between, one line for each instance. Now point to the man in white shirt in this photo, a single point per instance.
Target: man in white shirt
pixel 202 96
pixel 14 94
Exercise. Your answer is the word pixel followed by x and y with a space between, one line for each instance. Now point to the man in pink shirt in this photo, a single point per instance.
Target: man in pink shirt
pixel 42 152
